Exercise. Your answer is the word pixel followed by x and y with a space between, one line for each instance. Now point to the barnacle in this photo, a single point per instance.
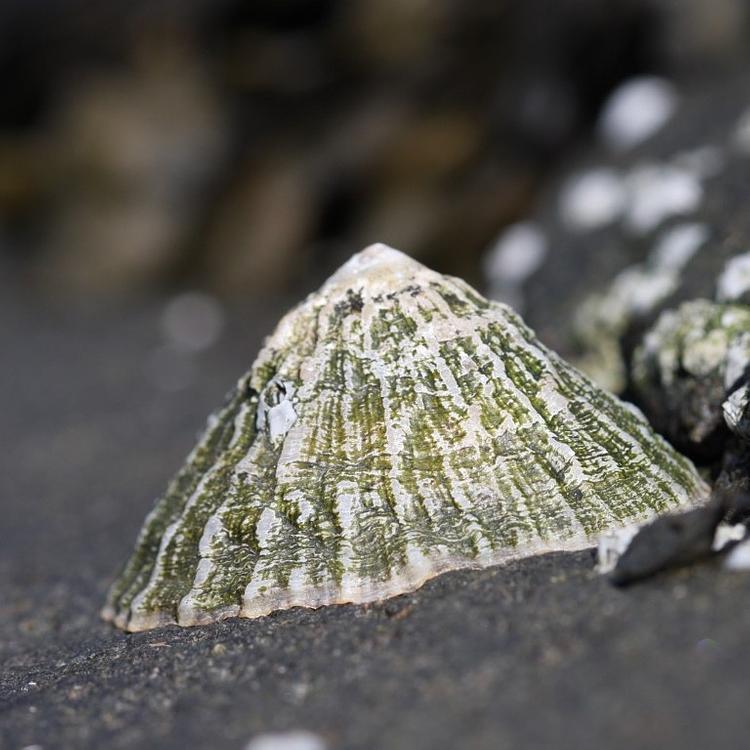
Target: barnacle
pixel 688 363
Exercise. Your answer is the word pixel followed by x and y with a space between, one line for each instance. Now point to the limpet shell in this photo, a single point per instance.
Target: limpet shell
pixel 394 426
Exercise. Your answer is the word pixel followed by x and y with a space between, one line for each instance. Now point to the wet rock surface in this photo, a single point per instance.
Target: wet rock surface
pixel 669 542
pixel 542 652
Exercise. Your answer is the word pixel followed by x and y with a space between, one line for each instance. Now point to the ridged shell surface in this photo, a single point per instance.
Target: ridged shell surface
pixel 394 426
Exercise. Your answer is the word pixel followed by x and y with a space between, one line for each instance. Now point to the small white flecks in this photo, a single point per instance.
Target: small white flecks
pixel 679 244
pixel 739 557
pixel 593 199
pixel 704 161
pixel 518 252
pixel 192 322
pixel 294 740
pixel 611 546
pixel 658 191
pixel 726 533
pixel 635 111
pixel 734 281
pixel 741 135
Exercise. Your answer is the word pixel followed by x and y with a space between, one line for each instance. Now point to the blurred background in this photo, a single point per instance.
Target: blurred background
pixel 245 149
pixel 174 174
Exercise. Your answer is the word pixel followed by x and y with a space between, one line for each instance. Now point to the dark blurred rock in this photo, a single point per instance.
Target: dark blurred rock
pixel 700 37
pixel 253 243
pixel 133 156
pixel 428 125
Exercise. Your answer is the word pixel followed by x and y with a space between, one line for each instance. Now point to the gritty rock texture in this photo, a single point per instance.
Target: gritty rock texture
pixel 394 426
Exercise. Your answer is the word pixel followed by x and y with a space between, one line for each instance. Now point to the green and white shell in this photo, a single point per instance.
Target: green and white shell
pixel 394 426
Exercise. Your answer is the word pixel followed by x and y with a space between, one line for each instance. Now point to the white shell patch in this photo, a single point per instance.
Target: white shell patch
pixel 275 409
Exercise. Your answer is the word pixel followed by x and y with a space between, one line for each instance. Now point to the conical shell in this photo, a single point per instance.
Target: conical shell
pixel 394 426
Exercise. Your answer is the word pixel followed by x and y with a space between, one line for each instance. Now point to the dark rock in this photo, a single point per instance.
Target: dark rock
pixel 681 539
pixel 668 542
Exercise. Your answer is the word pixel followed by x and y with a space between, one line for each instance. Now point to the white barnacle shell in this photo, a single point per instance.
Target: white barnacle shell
pixel 395 425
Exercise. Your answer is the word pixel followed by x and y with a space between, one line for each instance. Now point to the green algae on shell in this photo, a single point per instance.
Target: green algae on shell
pixel 394 426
